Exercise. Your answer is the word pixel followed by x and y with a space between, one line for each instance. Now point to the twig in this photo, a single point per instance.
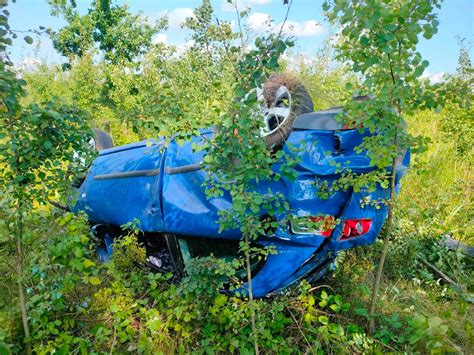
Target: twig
pixel 113 342
pixel 299 328
pixel 386 345
pixel 333 315
pixel 320 286
pixel 442 274
pixel 241 33
pixel 57 205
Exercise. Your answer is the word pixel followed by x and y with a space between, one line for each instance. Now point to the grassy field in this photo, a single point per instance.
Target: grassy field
pixel 437 191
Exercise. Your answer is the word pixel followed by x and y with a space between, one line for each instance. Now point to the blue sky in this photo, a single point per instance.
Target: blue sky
pixel 306 19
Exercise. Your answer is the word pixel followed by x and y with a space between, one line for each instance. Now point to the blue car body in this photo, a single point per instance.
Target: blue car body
pixel 139 181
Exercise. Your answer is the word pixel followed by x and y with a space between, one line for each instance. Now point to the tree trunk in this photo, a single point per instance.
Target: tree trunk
pixel 251 301
pixel 386 242
pixel 19 272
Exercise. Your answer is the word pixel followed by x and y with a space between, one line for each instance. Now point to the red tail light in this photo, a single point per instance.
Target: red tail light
pixel 324 228
pixel 355 228
pixel 327 226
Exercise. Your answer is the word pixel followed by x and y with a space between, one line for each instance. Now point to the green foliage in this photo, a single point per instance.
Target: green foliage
pixel 380 39
pixel 86 85
pixel 431 328
pixel 136 310
pixel 237 156
pixel 120 35
pixel 171 93
pixel 457 121
pixel 40 148
pixel 39 143
pixel 324 79
pixel 128 253
pixel 137 90
pixel 238 167
pixel 436 193
pixel 62 284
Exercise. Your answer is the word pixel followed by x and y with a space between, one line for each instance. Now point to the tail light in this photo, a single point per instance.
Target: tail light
pixel 355 228
pixel 325 226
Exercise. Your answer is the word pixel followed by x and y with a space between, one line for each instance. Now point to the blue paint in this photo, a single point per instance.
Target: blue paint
pixel 103 254
pixel 105 251
pixel 178 204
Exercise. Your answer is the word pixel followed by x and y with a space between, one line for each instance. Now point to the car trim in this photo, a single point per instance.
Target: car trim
pixel 184 169
pixel 128 174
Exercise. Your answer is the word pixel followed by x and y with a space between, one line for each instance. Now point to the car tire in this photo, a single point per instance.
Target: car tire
pixel 102 140
pixel 301 103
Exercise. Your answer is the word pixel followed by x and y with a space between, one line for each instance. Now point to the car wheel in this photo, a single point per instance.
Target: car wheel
pixel 102 140
pixel 284 98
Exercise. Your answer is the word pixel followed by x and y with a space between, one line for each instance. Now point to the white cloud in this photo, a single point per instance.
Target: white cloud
pixel 261 21
pixel 183 47
pixel 334 39
pixel 242 4
pixel 258 2
pixel 296 61
pixel 177 17
pixel 161 38
pixel 226 7
pixel 434 78
pixel 28 64
pixel 303 29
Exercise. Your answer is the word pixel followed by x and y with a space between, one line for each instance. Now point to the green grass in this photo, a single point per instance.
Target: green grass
pixel 437 190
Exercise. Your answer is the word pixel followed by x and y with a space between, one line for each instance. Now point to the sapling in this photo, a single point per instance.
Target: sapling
pixel 39 147
pixel 379 39
pixel 238 157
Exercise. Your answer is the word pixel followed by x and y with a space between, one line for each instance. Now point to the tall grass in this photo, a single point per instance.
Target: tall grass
pixel 437 191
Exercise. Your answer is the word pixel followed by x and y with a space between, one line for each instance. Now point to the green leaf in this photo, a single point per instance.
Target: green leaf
pixel 47 145
pixel 94 280
pixel 364 41
pixel 323 319
pixel 372 61
pixel 28 39
pixel 428 34
pixel 419 71
pixel 362 312
pixel 88 263
pixel 412 37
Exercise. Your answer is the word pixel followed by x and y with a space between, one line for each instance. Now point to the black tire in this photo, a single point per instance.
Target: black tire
pixel 301 103
pixel 102 140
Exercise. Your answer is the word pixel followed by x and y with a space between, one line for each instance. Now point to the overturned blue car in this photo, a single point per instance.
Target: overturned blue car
pixel 161 185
